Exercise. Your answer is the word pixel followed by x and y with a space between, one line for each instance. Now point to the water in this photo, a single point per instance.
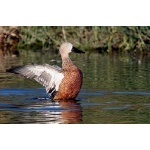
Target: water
pixel 115 89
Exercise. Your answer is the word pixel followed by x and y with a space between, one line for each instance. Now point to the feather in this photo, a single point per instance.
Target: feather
pixel 48 76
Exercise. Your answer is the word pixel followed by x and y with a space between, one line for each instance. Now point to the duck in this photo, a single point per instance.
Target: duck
pixel 61 83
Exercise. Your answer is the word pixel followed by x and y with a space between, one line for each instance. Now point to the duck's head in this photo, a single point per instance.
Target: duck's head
pixel 67 47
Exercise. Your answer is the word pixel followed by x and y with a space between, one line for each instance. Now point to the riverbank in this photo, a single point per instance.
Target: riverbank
pixel 92 39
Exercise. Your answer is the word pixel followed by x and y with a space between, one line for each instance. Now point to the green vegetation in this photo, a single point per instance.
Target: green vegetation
pixel 95 38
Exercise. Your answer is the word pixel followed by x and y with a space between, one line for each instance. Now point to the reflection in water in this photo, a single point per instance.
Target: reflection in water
pixel 45 111
pixel 74 113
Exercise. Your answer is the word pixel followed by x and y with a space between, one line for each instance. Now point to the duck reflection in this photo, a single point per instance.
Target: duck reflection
pixel 64 111
pixel 74 115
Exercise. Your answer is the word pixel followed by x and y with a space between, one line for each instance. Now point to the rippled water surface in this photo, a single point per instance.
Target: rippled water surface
pixel 115 90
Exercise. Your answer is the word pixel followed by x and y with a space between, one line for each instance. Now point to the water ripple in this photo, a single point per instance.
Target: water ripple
pixel 133 93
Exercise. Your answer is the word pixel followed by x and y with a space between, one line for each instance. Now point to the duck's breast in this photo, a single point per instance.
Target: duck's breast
pixel 70 85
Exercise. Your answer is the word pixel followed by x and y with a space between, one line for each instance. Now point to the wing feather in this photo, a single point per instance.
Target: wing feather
pixel 48 76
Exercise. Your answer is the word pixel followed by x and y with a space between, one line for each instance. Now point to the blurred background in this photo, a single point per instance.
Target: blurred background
pixel 101 39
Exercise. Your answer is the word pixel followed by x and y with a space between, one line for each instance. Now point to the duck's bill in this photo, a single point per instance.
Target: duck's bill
pixel 77 50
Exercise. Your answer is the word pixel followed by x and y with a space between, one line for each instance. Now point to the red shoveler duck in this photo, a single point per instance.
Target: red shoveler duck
pixel 60 83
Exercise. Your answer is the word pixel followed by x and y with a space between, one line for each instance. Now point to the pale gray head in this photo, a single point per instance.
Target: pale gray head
pixel 66 48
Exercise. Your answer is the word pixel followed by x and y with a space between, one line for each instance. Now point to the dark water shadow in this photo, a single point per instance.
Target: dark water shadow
pixel 132 93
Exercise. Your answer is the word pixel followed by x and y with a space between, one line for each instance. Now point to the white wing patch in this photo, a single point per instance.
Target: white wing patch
pixel 48 76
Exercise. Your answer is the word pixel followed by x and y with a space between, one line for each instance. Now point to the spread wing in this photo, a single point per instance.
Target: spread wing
pixel 48 76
